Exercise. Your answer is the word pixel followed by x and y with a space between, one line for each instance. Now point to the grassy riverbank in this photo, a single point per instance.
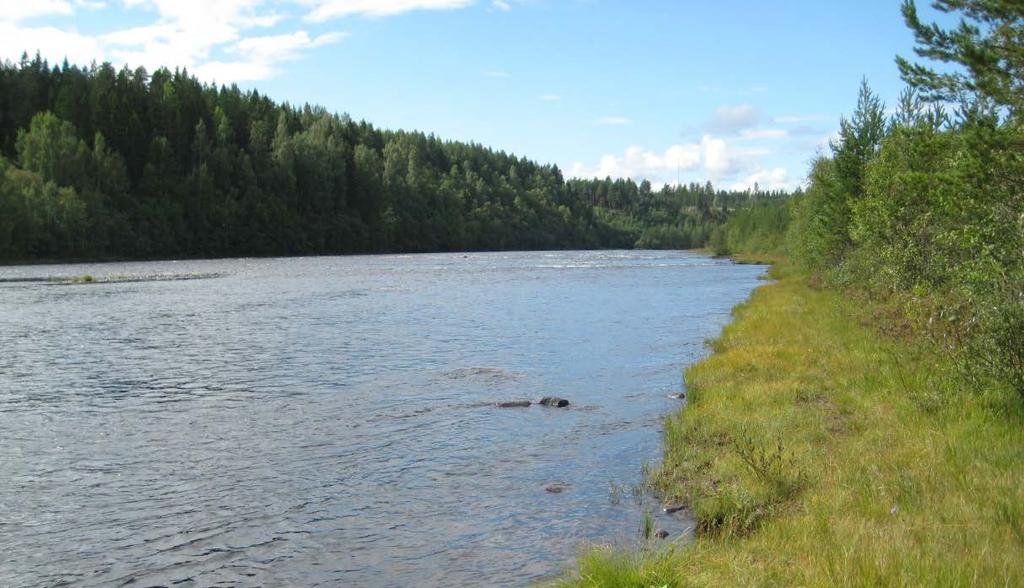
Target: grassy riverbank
pixel 818 450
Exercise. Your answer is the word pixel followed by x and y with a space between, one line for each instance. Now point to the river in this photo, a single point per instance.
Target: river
pixel 332 420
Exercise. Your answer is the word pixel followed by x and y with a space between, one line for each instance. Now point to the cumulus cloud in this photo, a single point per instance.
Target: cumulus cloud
pixel 258 56
pixel 724 161
pixel 717 160
pixel 713 158
pixel 322 10
pixel 500 6
pixel 52 43
pixel 638 163
pixel 218 40
pixel 214 39
pixel 734 119
pixel 273 48
pixel 186 32
pixel 18 10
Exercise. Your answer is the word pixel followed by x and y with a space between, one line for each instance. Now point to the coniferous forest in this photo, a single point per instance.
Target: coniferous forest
pixel 103 163
pixel 924 206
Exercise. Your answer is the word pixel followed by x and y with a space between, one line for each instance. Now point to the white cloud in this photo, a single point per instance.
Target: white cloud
pixel 212 38
pixel 18 10
pixel 733 119
pixel 275 48
pixel 776 178
pixel 500 6
pixel 717 161
pixel 322 10
pixel 613 120
pixel 712 158
pixel 185 33
pixel 261 54
pixel 53 44
pixel 638 163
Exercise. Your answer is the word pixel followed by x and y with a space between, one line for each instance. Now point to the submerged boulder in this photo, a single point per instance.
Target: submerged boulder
pixel 554 401
pixel 515 404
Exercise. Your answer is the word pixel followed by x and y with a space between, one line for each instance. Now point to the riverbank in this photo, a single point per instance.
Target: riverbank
pixel 818 451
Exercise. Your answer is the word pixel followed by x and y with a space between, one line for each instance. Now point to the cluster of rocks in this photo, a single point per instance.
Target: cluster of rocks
pixel 557 487
pixel 669 509
pixel 552 401
pixel 515 404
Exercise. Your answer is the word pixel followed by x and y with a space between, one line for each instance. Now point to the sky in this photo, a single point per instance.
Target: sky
pixel 735 92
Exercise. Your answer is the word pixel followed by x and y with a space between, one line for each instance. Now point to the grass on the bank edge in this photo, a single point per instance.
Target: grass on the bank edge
pixel 817 452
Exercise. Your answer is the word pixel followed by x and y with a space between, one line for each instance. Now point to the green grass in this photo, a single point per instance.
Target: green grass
pixel 817 452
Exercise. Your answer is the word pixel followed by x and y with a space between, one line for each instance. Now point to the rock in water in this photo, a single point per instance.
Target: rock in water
pixel 661 534
pixel 557 487
pixel 515 404
pixel 554 401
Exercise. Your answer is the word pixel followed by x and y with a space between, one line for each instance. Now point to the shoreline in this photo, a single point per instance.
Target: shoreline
pixel 815 450
pixel 95 261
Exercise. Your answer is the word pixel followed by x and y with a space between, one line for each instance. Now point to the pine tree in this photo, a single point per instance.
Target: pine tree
pixel 988 45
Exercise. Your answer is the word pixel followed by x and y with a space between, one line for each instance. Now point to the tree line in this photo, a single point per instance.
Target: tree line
pixel 100 163
pixel 925 207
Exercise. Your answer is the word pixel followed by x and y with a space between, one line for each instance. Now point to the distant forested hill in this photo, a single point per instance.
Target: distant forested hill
pixel 102 163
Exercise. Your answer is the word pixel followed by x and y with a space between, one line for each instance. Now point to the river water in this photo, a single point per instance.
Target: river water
pixel 332 421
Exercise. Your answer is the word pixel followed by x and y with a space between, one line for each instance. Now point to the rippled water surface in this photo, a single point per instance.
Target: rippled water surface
pixel 332 420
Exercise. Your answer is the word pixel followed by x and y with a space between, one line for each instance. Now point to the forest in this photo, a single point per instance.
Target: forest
pixel 100 163
pixel 924 207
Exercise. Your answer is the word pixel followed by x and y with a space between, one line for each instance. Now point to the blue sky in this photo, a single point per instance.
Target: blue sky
pixel 728 91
